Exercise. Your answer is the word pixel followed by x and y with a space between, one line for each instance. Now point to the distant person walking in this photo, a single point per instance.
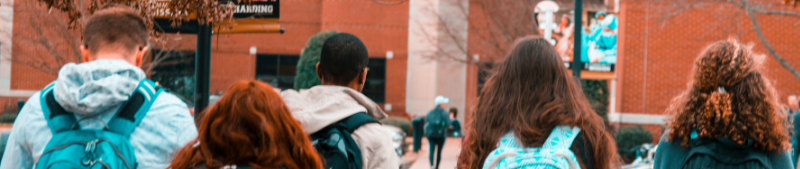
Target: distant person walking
pixel 436 123
pixel 249 126
pixel 532 116
pixel 106 103
pixel 455 124
pixel 727 118
pixel 793 112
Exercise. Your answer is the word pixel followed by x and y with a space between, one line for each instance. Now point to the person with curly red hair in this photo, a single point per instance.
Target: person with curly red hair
pixel 728 118
pixel 249 127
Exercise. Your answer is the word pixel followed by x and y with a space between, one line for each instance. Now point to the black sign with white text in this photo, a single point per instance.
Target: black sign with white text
pixel 258 9
pixel 594 67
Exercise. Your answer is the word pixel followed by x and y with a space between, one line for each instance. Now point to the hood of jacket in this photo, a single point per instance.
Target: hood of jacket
pixel 323 105
pixel 95 88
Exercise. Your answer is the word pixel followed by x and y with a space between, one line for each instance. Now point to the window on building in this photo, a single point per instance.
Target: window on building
pixel 174 71
pixel 280 70
pixel 277 70
pixel 375 86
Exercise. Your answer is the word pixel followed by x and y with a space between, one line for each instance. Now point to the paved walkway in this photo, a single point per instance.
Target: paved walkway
pixel 452 148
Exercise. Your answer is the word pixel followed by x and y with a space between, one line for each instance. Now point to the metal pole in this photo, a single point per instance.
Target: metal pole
pixel 202 70
pixel 577 35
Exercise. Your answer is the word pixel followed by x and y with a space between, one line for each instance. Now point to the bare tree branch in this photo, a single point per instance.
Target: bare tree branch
pixel 766 44
pixel 750 10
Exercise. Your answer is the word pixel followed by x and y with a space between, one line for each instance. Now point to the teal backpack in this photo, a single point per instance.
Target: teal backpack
pixel 554 153
pixel 72 147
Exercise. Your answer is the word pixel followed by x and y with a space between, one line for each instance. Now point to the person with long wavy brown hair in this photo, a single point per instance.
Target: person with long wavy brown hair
pixel 530 95
pixel 249 126
pixel 728 116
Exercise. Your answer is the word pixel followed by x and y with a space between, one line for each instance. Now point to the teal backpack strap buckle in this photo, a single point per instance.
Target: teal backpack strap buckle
pixel 134 110
pixel 58 119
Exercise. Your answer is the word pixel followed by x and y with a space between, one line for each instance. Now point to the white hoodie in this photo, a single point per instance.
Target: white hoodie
pixel 322 105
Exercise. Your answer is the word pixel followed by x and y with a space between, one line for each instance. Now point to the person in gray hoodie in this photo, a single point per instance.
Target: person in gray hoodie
pixel 342 70
pixel 115 40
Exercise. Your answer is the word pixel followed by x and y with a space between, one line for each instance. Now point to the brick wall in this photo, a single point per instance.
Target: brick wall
pixel 42 43
pixel 382 28
pixel 656 54
pixel 9 104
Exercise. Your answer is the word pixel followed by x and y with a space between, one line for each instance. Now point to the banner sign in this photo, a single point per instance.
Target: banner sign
pixel 594 67
pixel 261 16
pixel 258 9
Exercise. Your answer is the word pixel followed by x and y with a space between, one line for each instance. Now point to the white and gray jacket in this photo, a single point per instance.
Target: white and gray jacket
pixel 323 105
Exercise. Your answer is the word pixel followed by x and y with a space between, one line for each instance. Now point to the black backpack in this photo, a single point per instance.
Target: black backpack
pixel 435 123
pixel 335 145
pixel 724 153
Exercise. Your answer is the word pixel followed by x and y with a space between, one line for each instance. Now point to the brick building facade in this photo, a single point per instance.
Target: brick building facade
pixel 382 28
pixel 655 52
pixel 658 46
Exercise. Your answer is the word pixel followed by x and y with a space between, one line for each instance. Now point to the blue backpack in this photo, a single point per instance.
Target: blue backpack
pixel 435 123
pixel 554 153
pixel 72 147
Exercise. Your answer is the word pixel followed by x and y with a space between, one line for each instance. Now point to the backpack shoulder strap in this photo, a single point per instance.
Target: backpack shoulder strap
pixel 357 120
pixel 58 119
pixel 561 137
pixel 132 113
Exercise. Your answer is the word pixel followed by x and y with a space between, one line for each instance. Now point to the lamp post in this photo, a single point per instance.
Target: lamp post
pixel 576 41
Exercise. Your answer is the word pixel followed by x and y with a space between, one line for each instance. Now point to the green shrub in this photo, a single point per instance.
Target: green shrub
pixel 8 117
pixel 402 123
pixel 307 65
pixel 596 91
pixel 630 137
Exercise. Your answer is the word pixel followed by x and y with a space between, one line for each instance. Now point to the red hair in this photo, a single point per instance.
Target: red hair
pixel 251 125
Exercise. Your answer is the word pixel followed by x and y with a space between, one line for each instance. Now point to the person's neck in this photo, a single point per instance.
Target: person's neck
pixel 351 85
pixel 110 56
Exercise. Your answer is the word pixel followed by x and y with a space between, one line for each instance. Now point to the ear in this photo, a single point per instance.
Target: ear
pixel 85 54
pixel 140 55
pixel 319 75
pixel 362 78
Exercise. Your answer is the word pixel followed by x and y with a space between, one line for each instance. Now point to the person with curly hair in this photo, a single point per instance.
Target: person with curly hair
pixel 249 127
pixel 728 118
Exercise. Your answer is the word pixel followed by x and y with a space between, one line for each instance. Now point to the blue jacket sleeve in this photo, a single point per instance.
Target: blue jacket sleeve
pixel 17 154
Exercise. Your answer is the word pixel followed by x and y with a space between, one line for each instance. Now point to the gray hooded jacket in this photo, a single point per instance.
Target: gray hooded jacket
pixel 93 92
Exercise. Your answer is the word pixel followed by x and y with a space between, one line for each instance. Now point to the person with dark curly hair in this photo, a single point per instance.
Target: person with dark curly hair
pixel 728 118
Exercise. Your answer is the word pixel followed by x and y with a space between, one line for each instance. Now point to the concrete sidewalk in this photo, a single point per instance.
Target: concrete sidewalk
pixel 452 148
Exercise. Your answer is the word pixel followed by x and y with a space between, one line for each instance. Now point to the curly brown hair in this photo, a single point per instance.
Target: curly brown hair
pixel 729 97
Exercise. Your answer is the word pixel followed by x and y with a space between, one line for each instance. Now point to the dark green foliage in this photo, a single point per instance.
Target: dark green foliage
pixel 402 123
pixel 630 137
pixel 8 117
pixel 307 66
pixel 596 91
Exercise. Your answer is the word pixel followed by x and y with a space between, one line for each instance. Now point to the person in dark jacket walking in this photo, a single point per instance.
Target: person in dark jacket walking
pixel 436 123
pixel 728 118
